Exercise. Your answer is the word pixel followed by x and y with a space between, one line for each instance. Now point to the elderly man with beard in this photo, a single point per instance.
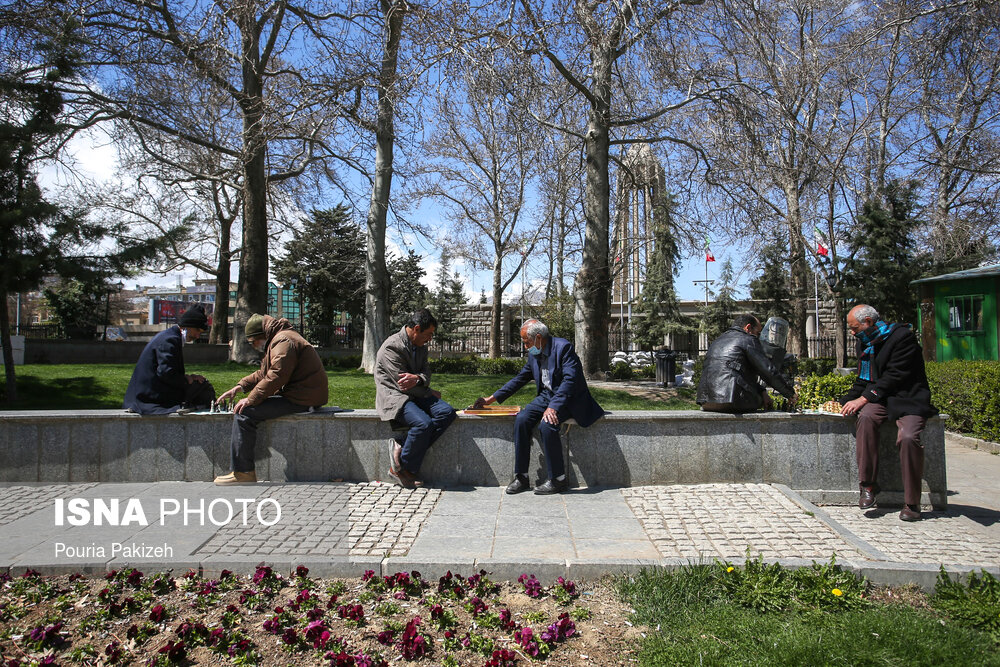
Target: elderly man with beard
pixel 291 379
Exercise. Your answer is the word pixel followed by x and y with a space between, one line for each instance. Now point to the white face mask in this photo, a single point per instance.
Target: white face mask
pixel 184 335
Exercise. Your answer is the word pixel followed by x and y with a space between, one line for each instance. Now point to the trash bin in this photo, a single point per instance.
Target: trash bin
pixel 666 367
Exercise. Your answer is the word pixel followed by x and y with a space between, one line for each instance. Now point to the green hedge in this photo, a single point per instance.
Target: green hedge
pixel 815 390
pixel 969 392
pixel 472 365
pixel 816 365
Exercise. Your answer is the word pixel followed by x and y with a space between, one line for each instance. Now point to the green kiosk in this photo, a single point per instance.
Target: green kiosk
pixel 958 313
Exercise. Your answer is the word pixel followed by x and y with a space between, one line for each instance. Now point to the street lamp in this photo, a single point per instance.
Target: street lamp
pixel 109 289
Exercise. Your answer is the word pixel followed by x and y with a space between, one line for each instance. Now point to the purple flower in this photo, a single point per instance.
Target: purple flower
pixel 157 613
pixel 290 637
pixel 385 637
pixel 301 571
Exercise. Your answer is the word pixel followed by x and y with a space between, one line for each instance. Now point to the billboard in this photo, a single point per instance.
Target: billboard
pixel 167 311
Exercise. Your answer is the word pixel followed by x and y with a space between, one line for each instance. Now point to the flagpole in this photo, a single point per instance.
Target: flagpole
pixel 706 280
pixel 816 288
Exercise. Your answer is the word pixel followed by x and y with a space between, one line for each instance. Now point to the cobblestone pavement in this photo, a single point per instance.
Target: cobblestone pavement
pixel 951 537
pixel 708 521
pixel 365 519
pixel 20 501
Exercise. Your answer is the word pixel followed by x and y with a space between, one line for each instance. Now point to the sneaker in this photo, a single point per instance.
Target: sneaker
pixel 236 478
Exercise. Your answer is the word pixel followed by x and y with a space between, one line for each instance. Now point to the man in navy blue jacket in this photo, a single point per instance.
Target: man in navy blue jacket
pixel 159 384
pixel 562 394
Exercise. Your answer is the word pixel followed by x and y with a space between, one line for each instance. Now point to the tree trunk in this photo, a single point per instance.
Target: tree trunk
pixel 840 331
pixel 799 273
pixel 593 280
pixel 497 310
pixel 8 352
pixel 251 295
pixel 377 283
pixel 220 328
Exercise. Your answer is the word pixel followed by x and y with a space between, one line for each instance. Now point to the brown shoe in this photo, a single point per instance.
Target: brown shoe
pixel 403 478
pixel 907 514
pixel 396 465
pixel 867 498
pixel 236 478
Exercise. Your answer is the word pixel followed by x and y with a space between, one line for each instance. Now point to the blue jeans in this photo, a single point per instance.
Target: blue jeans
pixel 525 423
pixel 427 418
pixel 245 428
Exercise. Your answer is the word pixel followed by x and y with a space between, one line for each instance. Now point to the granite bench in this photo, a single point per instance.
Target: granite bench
pixel 810 453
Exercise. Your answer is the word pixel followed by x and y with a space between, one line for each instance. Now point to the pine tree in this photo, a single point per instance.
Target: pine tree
pixel 718 315
pixel 326 261
pixel 449 298
pixel 407 294
pixel 658 303
pixel 883 259
pixel 771 287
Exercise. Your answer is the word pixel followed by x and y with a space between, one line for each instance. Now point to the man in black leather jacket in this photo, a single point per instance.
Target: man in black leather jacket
pixel 734 364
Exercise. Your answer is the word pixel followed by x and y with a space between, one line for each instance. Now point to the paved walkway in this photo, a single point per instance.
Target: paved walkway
pixel 342 529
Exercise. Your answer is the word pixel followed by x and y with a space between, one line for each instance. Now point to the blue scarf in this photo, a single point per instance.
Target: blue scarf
pixel 882 331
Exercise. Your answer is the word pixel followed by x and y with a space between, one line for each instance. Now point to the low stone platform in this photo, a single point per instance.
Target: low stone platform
pixel 812 454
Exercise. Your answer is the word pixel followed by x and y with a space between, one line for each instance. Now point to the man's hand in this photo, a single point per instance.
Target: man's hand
pixel 852 407
pixel 241 404
pixel 550 416
pixel 229 395
pixel 408 381
pixel 482 402
pixel 195 378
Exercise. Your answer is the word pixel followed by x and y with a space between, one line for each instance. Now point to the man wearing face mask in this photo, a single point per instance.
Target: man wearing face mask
pixel 291 379
pixel 891 384
pixel 562 393
pixel 159 384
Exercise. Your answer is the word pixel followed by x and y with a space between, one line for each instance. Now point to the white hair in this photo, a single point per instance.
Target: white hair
pixel 533 328
pixel 865 312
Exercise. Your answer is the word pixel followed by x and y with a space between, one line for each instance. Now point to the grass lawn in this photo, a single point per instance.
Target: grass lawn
pixel 764 615
pixel 97 386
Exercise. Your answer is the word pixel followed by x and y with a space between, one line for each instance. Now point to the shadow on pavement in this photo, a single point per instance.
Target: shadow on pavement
pixel 984 516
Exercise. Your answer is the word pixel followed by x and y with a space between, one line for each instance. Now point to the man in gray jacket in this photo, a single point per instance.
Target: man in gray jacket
pixel 734 364
pixel 403 395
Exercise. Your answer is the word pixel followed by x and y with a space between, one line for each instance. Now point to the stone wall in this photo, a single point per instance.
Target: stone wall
pixel 811 453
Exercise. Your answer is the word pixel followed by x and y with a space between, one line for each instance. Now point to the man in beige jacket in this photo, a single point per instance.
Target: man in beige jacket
pixel 291 379
pixel 403 395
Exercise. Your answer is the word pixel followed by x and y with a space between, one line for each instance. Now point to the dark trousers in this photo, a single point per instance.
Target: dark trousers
pixel 525 422
pixel 911 452
pixel 245 428
pixel 426 418
pixel 199 394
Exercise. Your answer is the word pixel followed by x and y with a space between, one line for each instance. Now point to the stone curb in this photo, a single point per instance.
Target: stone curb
pixel 972 443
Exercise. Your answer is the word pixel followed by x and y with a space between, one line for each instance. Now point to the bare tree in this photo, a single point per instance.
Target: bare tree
pixel 595 48
pixel 482 162
pixel 243 55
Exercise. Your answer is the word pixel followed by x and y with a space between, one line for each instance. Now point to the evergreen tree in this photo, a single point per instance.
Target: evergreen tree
pixel 771 287
pixel 718 316
pixel 326 261
pixel 407 294
pixel 449 298
pixel 658 302
pixel 883 258
pixel 38 238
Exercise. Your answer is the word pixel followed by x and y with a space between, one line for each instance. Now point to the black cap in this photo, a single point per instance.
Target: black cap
pixel 194 317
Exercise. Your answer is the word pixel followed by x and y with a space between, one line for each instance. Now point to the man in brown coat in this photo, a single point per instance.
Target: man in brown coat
pixel 291 379
pixel 403 395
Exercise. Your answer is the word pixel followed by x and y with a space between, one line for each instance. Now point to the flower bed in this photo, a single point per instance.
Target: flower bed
pixel 128 617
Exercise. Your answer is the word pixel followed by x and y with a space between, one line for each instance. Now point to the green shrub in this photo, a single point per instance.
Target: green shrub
pixel 501 366
pixel 817 366
pixel 969 392
pixel 455 365
pixel 699 364
pixel 621 370
pixel 649 372
pixel 815 390
pixel 349 361
pixel 976 605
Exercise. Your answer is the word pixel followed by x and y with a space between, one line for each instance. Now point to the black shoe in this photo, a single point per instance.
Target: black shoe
pixel 908 514
pixel 551 486
pixel 518 484
pixel 867 498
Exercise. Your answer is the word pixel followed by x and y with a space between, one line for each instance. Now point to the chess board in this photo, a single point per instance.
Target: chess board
pixel 494 411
